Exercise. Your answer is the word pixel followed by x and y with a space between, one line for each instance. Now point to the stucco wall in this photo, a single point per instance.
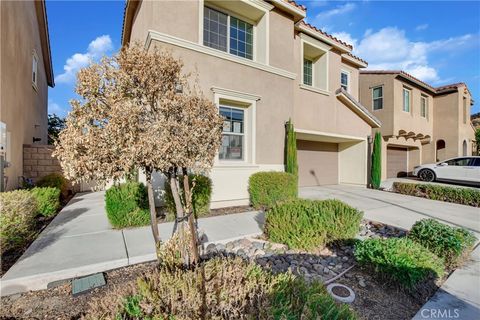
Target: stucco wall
pixel 22 107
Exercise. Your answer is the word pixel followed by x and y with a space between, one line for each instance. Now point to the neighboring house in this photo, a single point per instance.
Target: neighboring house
pixel 262 65
pixel 26 73
pixel 420 123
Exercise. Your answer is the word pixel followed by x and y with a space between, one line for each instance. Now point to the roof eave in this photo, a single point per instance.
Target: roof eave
pixel 360 110
pixel 355 61
pixel 41 11
pixel 321 37
pixel 298 14
pixel 130 10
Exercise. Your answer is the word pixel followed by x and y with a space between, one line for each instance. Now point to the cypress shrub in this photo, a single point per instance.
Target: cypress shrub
pixel 376 170
pixel 291 149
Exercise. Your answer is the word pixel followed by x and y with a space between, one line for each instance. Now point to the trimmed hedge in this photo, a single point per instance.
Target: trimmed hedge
pixel 445 241
pixel 466 196
pixel 127 205
pixel 48 200
pixel 17 218
pixel 234 289
pixel 309 224
pixel 269 188
pixel 201 195
pixel 399 259
pixel 54 180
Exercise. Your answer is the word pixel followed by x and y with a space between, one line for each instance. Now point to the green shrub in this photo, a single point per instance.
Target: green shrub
pixel 127 205
pixel 48 200
pixel 447 242
pixel 221 289
pixel 399 259
pixel 309 224
pixel 202 192
pixel 466 196
pixel 376 170
pixel 18 210
pixel 54 180
pixel 269 188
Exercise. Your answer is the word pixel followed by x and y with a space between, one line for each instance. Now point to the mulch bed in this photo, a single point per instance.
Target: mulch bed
pixel 11 256
pixel 213 212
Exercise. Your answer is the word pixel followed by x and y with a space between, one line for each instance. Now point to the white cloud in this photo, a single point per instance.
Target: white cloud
pixel 325 16
pixel 390 49
pixel 55 108
pixel 96 49
pixel 422 27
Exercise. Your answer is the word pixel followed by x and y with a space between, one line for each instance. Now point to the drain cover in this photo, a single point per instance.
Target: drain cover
pixel 82 285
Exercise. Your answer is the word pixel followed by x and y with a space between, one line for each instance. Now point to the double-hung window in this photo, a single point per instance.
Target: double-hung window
pixel 307 72
pixel 233 134
pixel 377 96
pixel 406 100
pixel 424 106
pixel 227 33
pixel 344 80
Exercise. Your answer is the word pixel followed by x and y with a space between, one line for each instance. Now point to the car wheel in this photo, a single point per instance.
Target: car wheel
pixel 427 175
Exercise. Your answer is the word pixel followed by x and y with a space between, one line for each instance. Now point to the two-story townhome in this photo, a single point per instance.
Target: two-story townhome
pixel 26 73
pixel 420 123
pixel 263 65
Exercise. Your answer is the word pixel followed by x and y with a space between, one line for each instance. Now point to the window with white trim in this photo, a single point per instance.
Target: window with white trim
pixel 233 134
pixel 307 72
pixel 224 32
pixel 34 69
pixel 377 97
pixel 406 99
pixel 344 80
pixel 424 106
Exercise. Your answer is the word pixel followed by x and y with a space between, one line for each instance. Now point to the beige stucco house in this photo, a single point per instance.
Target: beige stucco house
pixel 420 123
pixel 26 72
pixel 262 65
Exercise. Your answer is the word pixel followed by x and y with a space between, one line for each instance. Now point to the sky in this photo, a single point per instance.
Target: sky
pixel 436 41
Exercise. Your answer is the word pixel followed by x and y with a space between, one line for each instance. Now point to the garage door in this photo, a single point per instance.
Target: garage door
pixel 317 163
pixel 397 162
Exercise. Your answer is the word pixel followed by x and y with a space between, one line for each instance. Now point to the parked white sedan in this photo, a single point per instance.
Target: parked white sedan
pixel 463 169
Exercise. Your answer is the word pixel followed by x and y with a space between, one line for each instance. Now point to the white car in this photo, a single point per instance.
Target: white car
pixel 462 169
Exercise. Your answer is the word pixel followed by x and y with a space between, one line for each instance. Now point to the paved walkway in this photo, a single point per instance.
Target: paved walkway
pixel 397 209
pixel 459 296
pixel 80 241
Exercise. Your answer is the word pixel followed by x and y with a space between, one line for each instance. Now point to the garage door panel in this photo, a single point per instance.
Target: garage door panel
pixel 397 162
pixel 317 163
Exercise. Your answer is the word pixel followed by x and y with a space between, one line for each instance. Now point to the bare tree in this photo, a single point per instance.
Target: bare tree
pixel 131 116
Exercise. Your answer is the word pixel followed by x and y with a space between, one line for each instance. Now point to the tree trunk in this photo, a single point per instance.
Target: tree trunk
pixel 153 212
pixel 179 211
pixel 189 213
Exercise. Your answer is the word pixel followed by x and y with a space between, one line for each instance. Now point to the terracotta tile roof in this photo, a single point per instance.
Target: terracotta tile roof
pixel 450 86
pixel 359 106
pixel 293 3
pixel 355 57
pixel 303 23
pixel 400 72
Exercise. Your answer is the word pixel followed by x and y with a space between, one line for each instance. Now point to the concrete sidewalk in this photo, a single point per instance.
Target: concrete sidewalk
pixel 397 209
pixel 80 241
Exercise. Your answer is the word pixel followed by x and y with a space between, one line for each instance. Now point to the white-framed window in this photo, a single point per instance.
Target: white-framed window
pixel 34 69
pixel 307 72
pixel 233 134
pixel 228 33
pixel 424 106
pixel 345 80
pixel 377 97
pixel 406 99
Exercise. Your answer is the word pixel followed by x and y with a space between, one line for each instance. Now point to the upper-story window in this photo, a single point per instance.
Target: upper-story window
pixel 34 69
pixel 424 106
pixel 307 72
pixel 377 97
pixel 227 33
pixel 232 147
pixel 345 80
pixel 406 99
pixel 465 110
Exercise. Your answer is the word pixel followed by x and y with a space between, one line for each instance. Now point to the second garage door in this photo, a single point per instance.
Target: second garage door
pixel 317 163
pixel 397 162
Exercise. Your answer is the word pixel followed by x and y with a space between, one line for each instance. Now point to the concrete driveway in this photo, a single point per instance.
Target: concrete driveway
pixel 396 209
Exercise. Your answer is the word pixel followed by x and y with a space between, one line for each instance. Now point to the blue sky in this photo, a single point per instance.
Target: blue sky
pixel 436 41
